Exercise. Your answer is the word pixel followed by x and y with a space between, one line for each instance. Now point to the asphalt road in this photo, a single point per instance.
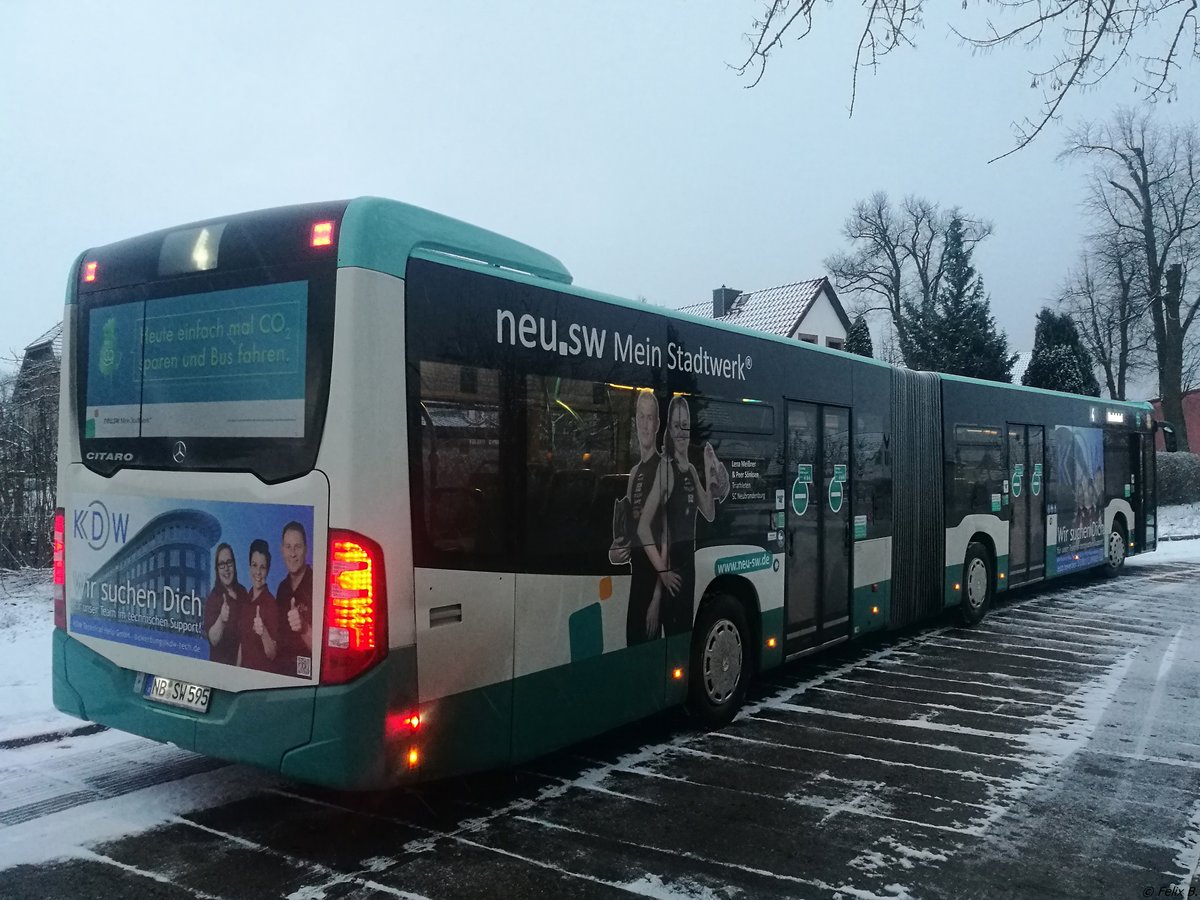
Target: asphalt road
pixel 1054 751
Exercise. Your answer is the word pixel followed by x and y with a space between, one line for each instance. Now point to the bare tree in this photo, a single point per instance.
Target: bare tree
pixel 1145 186
pixel 28 460
pixel 897 259
pixel 1087 41
pixel 1107 298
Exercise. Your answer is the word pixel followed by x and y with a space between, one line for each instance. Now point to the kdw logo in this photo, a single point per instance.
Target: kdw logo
pixel 96 525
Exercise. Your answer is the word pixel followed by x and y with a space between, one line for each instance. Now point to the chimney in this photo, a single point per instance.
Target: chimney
pixel 723 298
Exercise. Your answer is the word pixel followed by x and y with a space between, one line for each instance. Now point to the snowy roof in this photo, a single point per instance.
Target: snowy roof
pixel 1022 363
pixel 52 337
pixel 776 310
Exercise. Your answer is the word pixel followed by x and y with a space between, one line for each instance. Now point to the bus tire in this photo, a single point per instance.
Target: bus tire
pixel 1114 551
pixel 977 585
pixel 721 661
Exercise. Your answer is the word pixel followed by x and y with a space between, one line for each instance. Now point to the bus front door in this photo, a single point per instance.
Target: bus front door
pixel 1027 514
pixel 817 585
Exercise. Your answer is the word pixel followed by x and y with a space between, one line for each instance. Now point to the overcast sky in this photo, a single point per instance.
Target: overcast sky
pixel 612 135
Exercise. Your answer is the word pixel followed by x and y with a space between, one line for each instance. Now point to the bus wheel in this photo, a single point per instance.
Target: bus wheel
pixel 977 585
pixel 720 661
pixel 1114 554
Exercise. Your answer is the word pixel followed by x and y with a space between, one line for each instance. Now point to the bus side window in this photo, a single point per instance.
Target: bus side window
pixel 578 449
pixel 460 510
pixel 1116 463
pixel 977 471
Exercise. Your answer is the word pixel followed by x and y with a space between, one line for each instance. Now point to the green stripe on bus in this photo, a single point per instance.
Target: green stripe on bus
pixel 585 628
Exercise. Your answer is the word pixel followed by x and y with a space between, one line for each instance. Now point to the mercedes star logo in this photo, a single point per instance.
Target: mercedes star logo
pixel 180 453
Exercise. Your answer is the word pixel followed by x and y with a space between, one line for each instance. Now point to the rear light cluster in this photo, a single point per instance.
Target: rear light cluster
pixel 60 570
pixel 355 608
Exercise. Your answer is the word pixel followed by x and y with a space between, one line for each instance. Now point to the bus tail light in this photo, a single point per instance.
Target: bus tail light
pixel 322 234
pixel 60 569
pixel 355 608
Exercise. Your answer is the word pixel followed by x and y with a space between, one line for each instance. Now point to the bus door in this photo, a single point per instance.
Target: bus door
pixel 1027 512
pixel 1138 499
pixel 1147 527
pixel 817 585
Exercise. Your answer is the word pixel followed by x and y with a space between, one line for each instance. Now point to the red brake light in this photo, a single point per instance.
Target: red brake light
pixel 322 234
pixel 89 271
pixel 60 570
pixel 355 608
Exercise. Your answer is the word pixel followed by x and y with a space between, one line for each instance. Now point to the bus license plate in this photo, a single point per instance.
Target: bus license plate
pixel 177 693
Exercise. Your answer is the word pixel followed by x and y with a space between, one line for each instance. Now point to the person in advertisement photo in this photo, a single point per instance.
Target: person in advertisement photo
pixel 222 608
pixel 259 622
pixel 294 598
pixel 681 493
pixel 627 548
pixel 1079 462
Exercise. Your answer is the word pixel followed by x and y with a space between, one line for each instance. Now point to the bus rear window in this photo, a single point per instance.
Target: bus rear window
pixel 225 371
pixel 221 364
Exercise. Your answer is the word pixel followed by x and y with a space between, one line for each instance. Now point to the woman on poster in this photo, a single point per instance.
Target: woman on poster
pixel 259 621
pixel 222 608
pixel 681 493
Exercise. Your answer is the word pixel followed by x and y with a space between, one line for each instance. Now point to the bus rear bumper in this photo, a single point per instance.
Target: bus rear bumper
pixel 334 736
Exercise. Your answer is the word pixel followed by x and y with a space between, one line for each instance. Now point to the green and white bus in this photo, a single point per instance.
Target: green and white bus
pixel 362 494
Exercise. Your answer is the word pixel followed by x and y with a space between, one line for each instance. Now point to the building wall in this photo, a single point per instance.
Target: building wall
pixel 1191 417
pixel 823 322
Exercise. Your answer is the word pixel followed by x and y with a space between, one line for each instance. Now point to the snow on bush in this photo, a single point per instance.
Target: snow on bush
pixel 1178 478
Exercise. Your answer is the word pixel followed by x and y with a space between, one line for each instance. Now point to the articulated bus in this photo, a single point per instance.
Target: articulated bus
pixel 363 495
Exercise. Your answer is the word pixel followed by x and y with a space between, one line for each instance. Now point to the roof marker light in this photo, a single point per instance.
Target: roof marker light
pixel 89 271
pixel 322 234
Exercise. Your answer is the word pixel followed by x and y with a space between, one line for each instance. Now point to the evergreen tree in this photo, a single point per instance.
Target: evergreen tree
pixel 858 338
pixel 1060 361
pixel 956 332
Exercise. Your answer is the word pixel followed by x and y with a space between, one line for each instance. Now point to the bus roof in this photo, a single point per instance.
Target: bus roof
pixel 382 234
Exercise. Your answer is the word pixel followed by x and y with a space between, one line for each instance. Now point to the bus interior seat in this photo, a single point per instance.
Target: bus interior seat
pixel 609 490
pixel 448 517
pixel 488 510
pixel 568 501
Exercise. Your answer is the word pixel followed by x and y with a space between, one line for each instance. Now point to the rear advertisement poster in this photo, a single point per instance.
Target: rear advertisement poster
pixel 222 581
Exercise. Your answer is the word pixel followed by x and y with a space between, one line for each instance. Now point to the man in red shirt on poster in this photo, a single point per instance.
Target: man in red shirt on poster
pixel 294 598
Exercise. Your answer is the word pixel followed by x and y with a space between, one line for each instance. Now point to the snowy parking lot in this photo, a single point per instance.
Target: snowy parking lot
pixel 1052 751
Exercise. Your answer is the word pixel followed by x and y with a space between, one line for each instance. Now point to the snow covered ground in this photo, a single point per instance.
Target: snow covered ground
pixel 1178 522
pixel 26 621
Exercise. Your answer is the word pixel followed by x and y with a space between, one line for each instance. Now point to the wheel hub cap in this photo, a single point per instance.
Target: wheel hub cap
pixel 976 583
pixel 1116 549
pixel 722 661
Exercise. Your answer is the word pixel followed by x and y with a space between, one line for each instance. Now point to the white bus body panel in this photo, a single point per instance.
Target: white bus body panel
pixel 364 450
